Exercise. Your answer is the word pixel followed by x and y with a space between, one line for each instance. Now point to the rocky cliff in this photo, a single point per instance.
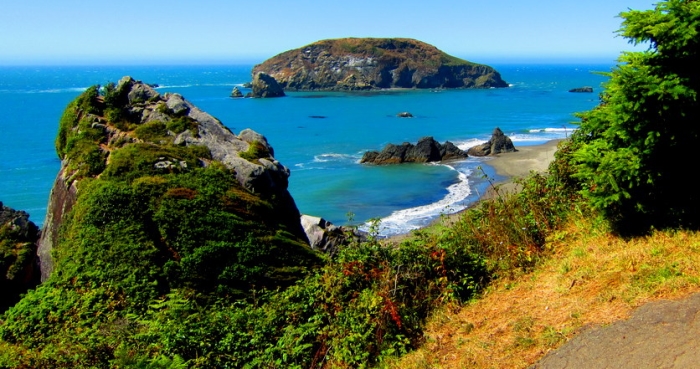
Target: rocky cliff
pixel 426 150
pixel 151 182
pixel 375 63
pixel 18 270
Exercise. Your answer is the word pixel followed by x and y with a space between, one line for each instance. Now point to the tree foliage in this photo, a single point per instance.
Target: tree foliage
pixel 630 151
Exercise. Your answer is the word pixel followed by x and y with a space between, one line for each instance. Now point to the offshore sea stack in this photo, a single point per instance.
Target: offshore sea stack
pixel 351 64
pixel 498 143
pixel 154 170
pixel 425 151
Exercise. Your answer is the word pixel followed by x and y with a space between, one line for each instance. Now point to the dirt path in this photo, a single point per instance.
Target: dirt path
pixel 661 334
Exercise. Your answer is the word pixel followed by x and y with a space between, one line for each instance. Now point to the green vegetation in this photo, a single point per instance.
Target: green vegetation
pixel 17 255
pixel 629 152
pixel 166 262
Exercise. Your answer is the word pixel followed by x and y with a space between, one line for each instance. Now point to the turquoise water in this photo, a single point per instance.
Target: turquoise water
pixel 319 136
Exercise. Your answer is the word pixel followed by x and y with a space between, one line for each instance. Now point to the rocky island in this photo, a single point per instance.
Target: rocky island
pixel 351 64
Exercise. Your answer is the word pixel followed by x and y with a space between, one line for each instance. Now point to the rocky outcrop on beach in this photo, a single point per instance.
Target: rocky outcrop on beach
pixel 18 269
pixel 582 89
pixel 264 85
pixel 499 143
pixel 426 150
pixel 351 64
pixel 135 137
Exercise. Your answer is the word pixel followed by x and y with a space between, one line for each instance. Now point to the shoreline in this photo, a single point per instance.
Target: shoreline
pixel 519 164
pixel 509 165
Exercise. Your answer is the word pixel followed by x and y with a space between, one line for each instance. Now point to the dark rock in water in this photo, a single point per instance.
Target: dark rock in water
pixel 19 271
pixel 266 86
pixel 404 114
pixel 317 116
pixel 582 89
pixel 499 143
pixel 426 150
pixel 357 64
pixel 236 92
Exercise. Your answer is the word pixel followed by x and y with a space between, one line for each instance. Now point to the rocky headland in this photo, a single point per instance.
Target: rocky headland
pixel 138 165
pixel 499 143
pixel 426 150
pixel 351 64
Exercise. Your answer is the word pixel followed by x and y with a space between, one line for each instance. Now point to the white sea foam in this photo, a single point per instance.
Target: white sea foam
pixel 406 220
pixel 324 158
pixel 563 129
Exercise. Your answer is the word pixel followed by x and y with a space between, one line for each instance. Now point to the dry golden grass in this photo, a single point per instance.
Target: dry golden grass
pixel 590 278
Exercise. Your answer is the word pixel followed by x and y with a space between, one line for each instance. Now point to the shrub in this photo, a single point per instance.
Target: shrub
pixel 629 150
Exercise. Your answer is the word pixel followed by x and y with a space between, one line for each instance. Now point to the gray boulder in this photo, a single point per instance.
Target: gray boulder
pixel 499 143
pixel 266 86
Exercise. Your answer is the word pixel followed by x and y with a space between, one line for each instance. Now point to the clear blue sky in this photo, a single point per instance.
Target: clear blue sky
pixel 230 31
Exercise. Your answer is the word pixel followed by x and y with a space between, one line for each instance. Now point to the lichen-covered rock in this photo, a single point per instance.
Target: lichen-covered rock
pixel 264 85
pixel 499 143
pixel 426 150
pixel 18 269
pixel 375 63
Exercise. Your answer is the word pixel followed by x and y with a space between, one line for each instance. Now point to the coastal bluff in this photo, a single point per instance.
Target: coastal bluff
pixel 150 184
pixel 353 64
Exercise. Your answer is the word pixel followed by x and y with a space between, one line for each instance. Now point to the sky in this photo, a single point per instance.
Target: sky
pixel 52 32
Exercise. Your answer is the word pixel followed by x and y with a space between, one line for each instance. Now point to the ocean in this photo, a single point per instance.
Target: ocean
pixel 320 136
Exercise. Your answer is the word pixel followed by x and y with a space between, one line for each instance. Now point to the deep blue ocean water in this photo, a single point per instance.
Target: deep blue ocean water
pixel 320 136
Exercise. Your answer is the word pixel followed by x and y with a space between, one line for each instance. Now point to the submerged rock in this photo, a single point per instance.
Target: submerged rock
pixel 426 150
pixel 582 89
pixel 498 143
pixel 375 63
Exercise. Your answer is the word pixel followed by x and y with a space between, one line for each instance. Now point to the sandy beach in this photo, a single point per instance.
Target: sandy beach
pixel 510 165
pixel 521 163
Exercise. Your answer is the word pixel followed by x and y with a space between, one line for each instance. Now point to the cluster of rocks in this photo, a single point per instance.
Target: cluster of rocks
pixel 426 150
pixel 499 143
